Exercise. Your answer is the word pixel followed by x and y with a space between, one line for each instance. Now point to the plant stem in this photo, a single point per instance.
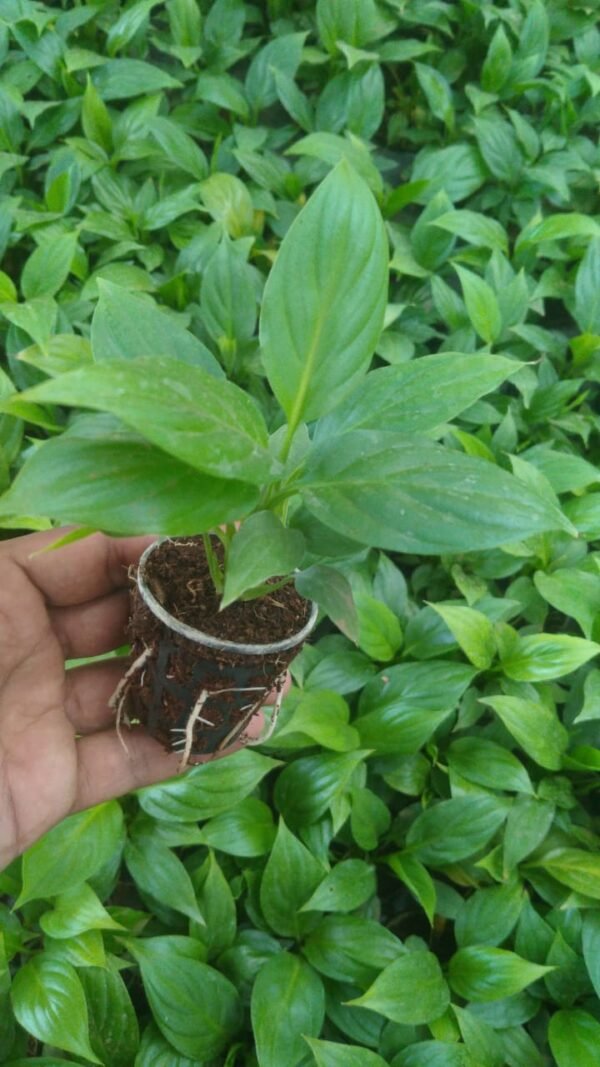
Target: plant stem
pixel 214 567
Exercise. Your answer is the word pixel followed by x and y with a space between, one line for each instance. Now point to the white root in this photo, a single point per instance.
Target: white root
pixel 195 717
pixel 117 700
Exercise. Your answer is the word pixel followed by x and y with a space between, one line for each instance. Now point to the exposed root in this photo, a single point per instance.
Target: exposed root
pixel 188 739
pixel 279 684
pixel 117 700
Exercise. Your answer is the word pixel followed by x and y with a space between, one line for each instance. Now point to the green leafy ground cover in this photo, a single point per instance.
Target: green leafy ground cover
pixel 408 874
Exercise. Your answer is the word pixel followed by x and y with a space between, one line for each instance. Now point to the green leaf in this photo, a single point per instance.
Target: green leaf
pixel 534 726
pixel 330 1054
pixel 488 764
pixel 472 630
pixel 483 1043
pixel 419 396
pixel 482 305
pixel 126 325
pixel 292 873
pixel 489 916
pixel 587 289
pixel 179 148
pixel 496 67
pixel 76 910
pixel 400 710
pixel 229 203
pixel 591 946
pixel 207 790
pixel 114 1034
pixel 122 484
pixel 540 657
pixel 574 592
pixel 438 93
pixel 95 118
pixel 591 698
pixel 322 717
pixel 245 830
pixel 417 880
pixel 120 79
pixel 262 548
pixel 560 226
pixel 350 949
pixel 289 982
pixel 357 22
pixel 433 1054
pixel 393 991
pixel 318 336
pixel 574 1037
pixel 499 147
pixel 575 868
pixel 475 228
pixel 332 591
pixel 306 787
pixel 210 424
pixel 455 829
pixel 380 633
pixel 528 823
pixel 194 1006
pixel 71 852
pixel 156 870
pixel 348 885
pixel 482 973
pixel 331 148
pixel 49 1002
pixel 388 491
pixel 46 270
pixel 217 905
pixel 228 297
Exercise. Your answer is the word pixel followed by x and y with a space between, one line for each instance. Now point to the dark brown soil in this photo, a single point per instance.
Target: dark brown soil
pixel 176 672
pixel 178 576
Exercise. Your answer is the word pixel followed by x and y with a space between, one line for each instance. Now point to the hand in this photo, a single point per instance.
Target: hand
pixel 59 751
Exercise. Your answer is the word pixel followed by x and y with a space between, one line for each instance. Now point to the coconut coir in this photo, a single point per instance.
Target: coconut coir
pixel 179 677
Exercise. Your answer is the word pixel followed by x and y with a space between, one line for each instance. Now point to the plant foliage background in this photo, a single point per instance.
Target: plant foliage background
pixel 408 874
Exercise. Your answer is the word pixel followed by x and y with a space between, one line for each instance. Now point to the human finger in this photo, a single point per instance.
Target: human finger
pixel 109 765
pixel 75 573
pixel 93 628
pixel 88 691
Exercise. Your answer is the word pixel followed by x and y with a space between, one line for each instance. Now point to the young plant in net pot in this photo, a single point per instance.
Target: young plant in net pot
pixel 227 594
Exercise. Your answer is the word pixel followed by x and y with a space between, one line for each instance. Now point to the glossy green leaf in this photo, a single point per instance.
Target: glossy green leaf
pixel 534 726
pixel 433 1054
pixel 316 338
pixel 452 830
pixel 179 148
pixel 382 489
pixel 539 657
pixel 262 548
pixel 306 787
pixel 350 949
pixel 331 590
pixel 289 982
pixel 574 592
pixel 194 1006
pixel 575 868
pixel 489 916
pixel 71 852
pixel 331 1054
pixel 47 268
pixel 292 873
pixel 348 885
pixel 488 764
pixel 127 325
pixel 472 630
pixel 76 910
pixel 416 878
pixel 400 710
pixel 209 424
pixel 208 790
pixel 574 1036
pixel 157 870
pixel 49 1002
pixel 124 485
pixel 417 397
pixel 245 830
pixel 481 973
pixel 380 633
pixel 323 717
pixel 114 1033
pixel 393 991
pixel 482 305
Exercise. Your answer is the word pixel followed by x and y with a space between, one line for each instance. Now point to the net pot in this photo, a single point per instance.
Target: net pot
pixel 195 692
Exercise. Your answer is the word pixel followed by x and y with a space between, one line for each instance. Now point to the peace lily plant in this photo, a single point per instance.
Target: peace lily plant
pixel 187 451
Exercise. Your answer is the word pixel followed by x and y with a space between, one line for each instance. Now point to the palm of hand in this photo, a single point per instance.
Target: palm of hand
pixel 58 748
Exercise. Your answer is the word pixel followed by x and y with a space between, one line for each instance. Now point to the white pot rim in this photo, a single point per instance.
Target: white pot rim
pixel 209 640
